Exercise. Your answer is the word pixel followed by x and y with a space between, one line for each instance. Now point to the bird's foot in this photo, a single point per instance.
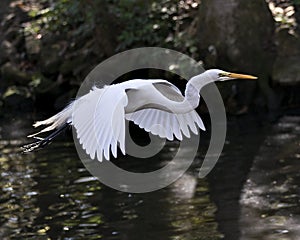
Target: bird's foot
pixel 42 142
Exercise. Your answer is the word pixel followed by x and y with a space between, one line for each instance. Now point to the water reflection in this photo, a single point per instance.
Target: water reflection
pixel 18 196
pixel 270 199
pixel 50 195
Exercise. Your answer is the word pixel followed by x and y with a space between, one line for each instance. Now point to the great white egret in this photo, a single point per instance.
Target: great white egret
pixel 155 105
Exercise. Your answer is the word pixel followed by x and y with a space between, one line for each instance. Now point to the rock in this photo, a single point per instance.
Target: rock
pixel 17 99
pixel 11 75
pixel 40 83
pixel 286 70
pixel 50 59
pixel 234 30
pixel 287 44
pixel 236 35
pixel 286 67
pixel 12 33
pixel 4 7
pixel 6 50
pixel 32 44
pixel 70 65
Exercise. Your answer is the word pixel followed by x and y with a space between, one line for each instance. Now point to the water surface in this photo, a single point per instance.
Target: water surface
pixel 50 195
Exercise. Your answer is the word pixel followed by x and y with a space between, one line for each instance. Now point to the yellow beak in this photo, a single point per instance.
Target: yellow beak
pixel 241 76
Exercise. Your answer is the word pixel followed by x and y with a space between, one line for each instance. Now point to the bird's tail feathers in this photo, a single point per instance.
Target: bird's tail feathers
pixel 55 121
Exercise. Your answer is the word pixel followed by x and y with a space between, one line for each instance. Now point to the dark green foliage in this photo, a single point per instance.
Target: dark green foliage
pixel 156 23
pixel 296 2
pixel 144 23
pixel 61 15
pixel 62 40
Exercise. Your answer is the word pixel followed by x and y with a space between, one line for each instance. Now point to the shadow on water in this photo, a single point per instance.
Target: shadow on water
pixel 244 137
pixel 270 199
pixel 50 195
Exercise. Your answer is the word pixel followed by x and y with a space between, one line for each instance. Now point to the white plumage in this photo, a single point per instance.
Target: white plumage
pixel 157 106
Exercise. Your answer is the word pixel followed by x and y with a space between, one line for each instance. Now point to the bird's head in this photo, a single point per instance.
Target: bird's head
pixel 220 75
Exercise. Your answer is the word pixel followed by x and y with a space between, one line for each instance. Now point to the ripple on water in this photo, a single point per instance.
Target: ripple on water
pixel 50 195
pixel 270 199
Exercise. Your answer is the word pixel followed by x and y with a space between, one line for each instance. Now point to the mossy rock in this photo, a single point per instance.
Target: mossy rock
pixel 70 65
pixel 17 98
pixel 7 50
pixel 12 74
pixel 50 59
pixel 286 68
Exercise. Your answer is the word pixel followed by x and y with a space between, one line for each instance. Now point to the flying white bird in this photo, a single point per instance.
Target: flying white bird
pixel 155 105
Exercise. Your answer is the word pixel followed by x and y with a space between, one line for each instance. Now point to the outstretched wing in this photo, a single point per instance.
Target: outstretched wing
pixel 166 124
pixel 99 120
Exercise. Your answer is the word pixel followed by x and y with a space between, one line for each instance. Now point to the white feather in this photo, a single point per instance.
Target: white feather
pixel 173 124
pixel 98 135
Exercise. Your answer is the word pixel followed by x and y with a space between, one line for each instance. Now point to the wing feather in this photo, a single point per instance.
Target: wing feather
pixel 169 134
pixel 176 130
pixel 191 123
pixel 100 122
pixel 153 120
pixel 198 120
pixel 183 125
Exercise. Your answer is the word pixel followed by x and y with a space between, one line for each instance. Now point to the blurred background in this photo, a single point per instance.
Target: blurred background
pixel 48 47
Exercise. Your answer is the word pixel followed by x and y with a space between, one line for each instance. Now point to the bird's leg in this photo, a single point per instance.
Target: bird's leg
pixel 42 142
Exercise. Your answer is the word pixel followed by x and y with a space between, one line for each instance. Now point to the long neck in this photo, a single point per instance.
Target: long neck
pixel 192 93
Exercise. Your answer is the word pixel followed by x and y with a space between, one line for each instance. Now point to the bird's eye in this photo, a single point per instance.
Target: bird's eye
pixel 222 75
